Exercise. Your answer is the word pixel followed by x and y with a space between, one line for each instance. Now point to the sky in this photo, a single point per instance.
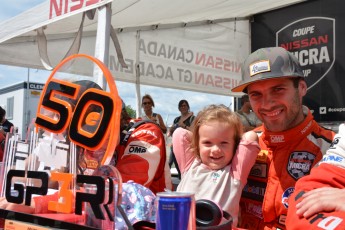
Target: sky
pixel 166 100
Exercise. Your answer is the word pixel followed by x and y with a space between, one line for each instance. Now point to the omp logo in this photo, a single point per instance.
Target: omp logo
pixel 277 138
pixel 137 149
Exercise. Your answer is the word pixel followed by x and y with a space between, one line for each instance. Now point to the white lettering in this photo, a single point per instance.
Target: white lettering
pixel 330 223
pixel 145 132
pixel 303 31
pixel 302 166
pixel 312 56
pixel 277 139
pixel 336 110
pixel 306 72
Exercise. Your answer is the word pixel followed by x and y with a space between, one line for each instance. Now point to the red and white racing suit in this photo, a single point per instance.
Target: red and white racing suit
pixel 284 158
pixel 329 173
pixel 143 158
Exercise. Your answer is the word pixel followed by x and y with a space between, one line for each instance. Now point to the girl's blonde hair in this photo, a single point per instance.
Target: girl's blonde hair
pixel 219 113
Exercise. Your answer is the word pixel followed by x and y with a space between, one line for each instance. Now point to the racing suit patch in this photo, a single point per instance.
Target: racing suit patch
pixel 262 156
pixel 285 197
pixel 254 209
pixel 254 190
pixel 259 170
pixel 335 154
pixel 277 138
pixel 136 149
pixel 334 160
pixel 300 164
pixel 282 220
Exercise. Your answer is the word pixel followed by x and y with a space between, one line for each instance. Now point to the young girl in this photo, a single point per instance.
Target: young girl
pixel 209 165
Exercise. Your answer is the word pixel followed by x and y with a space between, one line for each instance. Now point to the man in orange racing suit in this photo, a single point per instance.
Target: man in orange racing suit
pixel 291 141
pixel 319 198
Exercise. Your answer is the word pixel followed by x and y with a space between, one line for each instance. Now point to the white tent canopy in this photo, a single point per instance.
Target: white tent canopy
pixel 134 14
pixel 185 44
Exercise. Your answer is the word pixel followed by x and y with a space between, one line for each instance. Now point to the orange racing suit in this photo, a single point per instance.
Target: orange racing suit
pixel 284 158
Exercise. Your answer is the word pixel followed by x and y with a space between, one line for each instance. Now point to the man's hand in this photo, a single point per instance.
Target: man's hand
pixel 321 200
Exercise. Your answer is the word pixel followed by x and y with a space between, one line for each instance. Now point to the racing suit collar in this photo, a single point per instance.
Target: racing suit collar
pixel 277 138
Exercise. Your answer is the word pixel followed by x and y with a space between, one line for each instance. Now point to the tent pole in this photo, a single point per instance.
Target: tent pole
pixel 137 75
pixel 102 41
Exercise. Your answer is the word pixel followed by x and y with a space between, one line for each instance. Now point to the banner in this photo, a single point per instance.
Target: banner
pixel 203 58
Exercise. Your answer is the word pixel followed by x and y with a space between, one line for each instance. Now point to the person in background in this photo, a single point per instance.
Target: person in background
pixel 147 104
pixel 249 119
pixel 5 127
pixel 291 141
pixel 318 201
pixel 2 146
pixel 211 167
pixel 4 123
pixel 184 121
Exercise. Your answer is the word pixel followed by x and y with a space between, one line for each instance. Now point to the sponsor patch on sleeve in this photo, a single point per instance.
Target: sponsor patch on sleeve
pixel 259 170
pixel 254 190
pixel 254 209
pixel 334 160
pixel 286 194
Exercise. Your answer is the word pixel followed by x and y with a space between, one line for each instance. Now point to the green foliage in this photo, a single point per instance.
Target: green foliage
pixel 131 112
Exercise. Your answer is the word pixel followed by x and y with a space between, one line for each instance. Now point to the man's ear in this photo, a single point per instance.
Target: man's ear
pixel 302 86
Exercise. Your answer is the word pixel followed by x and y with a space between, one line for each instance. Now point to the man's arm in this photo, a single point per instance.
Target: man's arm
pixel 318 200
pixel 325 199
pixel 320 196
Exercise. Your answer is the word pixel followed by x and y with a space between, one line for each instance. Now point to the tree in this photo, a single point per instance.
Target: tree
pixel 131 112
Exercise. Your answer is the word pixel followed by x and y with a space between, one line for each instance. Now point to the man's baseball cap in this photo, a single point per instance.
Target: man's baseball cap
pixel 267 63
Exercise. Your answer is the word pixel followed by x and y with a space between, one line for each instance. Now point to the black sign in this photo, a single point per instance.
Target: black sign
pixel 313 32
pixel 312 41
pixel 36 86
